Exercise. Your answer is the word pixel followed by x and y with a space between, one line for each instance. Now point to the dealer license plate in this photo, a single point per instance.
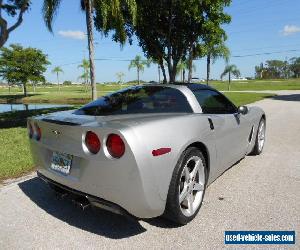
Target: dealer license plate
pixel 61 162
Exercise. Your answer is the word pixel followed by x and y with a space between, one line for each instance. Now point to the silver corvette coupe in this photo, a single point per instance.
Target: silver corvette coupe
pixel 146 150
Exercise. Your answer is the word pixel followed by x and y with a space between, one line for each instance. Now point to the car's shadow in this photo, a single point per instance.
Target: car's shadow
pixel 96 221
pixel 292 97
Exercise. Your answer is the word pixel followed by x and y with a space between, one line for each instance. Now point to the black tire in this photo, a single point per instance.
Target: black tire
pixel 173 211
pixel 256 150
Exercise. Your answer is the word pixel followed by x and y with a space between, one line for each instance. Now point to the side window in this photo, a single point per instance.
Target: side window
pixel 213 102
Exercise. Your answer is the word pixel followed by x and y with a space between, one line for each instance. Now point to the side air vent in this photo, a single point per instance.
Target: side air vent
pixel 60 122
pixel 251 134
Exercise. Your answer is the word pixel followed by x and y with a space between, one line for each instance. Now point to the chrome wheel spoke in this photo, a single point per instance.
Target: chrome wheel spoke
pixel 261 136
pixel 186 173
pixel 190 201
pixel 195 170
pixel 183 195
pixel 198 187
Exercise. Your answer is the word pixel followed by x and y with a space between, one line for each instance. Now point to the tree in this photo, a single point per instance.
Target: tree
pixel 275 69
pixel 278 69
pixel 120 76
pixel 57 70
pixel 151 60
pixel 20 65
pixel 12 8
pixel 215 51
pixel 259 71
pixel 181 67
pixel 167 30
pixel 230 70
pixel 85 65
pixel 67 83
pixel 84 77
pixel 139 64
pixel 295 66
pixel 109 10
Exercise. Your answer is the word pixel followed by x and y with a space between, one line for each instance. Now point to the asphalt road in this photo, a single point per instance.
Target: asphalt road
pixel 258 193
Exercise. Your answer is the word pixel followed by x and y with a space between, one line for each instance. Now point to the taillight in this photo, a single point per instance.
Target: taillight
pixel 30 130
pixel 92 142
pixel 38 132
pixel 115 145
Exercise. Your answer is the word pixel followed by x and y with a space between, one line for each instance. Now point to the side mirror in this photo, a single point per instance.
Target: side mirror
pixel 243 110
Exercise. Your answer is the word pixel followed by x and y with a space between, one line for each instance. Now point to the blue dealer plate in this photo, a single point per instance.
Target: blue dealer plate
pixel 61 162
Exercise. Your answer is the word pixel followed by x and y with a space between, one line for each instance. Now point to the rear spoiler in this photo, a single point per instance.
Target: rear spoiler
pixel 60 122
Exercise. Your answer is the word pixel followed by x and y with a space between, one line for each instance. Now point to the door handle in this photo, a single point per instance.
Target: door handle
pixel 211 124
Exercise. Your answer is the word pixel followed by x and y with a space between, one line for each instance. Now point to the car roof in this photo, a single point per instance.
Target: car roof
pixel 196 86
pixel 191 86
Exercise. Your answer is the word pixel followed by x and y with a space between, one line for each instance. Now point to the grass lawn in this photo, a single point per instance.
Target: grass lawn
pixel 15 154
pixel 293 84
pixel 67 94
pixel 240 99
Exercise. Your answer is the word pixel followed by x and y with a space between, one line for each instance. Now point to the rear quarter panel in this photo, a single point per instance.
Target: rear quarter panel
pixel 176 133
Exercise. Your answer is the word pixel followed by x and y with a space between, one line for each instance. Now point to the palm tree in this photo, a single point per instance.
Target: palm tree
pixel 57 70
pixel 120 76
pixel 181 67
pixel 213 53
pixel 107 9
pixel 85 65
pixel 139 64
pixel 159 69
pixel 230 70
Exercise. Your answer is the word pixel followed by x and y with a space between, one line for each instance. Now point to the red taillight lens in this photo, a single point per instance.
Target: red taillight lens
pixel 38 132
pixel 30 130
pixel 92 142
pixel 115 145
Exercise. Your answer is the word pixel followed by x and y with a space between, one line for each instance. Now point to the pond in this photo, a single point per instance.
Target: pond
pixel 16 107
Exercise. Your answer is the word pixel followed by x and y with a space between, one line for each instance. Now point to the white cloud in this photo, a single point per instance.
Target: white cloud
pixel 290 30
pixel 73 34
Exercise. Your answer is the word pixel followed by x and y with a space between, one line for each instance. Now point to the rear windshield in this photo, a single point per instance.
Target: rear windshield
pixel 138 99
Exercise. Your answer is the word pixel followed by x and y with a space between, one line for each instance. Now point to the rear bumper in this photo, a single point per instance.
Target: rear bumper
pixel 119 182
pixel 93 200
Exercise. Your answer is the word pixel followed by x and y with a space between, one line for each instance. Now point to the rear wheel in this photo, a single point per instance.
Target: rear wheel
pixel 260 138
pixel 187 187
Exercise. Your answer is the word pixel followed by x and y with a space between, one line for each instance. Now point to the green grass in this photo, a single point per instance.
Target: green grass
pixel 293 84
pixel 14 154
pixel 240 99
pixel 51 94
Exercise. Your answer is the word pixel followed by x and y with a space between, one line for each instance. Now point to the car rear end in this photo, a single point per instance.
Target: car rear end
pixel 96 159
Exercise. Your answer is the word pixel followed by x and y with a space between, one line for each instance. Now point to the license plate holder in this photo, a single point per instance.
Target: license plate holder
pixel 61 162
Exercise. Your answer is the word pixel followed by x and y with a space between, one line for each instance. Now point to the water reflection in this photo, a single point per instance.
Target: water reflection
pixel 16 107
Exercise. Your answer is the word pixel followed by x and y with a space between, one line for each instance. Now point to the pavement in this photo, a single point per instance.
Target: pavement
pixel 258 193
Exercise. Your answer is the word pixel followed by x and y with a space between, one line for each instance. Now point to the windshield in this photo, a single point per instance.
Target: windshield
pixel 138 99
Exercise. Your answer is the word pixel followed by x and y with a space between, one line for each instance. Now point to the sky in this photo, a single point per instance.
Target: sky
pixel 260 30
